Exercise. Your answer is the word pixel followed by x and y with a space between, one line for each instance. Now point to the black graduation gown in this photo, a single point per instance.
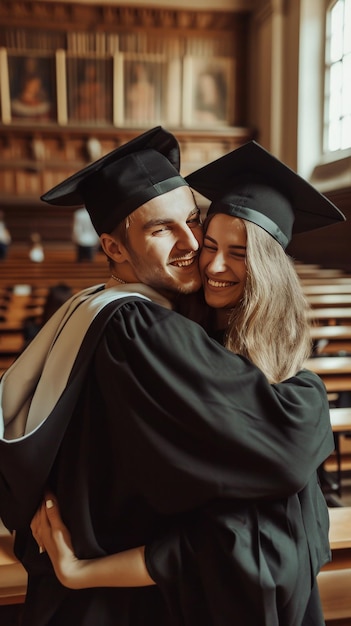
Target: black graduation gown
pixel 243 562
pixel 166 421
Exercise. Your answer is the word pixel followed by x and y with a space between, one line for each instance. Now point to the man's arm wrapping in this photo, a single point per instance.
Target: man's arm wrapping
pixel 193 421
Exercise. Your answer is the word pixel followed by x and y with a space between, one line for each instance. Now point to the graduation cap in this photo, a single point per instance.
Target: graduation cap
pixel 252 184
pixel 121 181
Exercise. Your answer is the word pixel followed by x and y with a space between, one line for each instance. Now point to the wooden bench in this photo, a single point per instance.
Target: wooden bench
pixel 330 315
pixel 340 419
pixel 335 371
pixel 303 268
pixel 315 272
pixel 335 591
pixel 333 340
pixel 340 538
pixel 321 300
pixel 325 280
pixel 24 287
pixel 59 265
pixel 334 581
pixel 340 460
pixel 322 288
pixel 13 576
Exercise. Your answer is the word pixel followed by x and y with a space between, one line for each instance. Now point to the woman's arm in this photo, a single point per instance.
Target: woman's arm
pixel 124 569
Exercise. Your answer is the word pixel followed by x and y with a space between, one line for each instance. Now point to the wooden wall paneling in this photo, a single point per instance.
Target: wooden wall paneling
pixel 37 152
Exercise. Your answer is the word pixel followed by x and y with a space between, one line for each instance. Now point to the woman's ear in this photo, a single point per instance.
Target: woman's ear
pixel 113 248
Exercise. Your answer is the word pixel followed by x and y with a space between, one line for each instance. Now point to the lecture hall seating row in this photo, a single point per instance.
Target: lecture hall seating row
pixel 24 286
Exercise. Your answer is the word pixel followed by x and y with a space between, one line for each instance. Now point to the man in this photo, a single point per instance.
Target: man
pixel 127 411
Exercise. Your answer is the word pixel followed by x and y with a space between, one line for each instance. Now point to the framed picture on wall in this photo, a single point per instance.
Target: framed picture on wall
pixel 89 90
pixel 208 92
pixel 32 87
pixel 146 90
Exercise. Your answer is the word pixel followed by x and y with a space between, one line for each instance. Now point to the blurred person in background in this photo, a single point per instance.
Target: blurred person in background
pixel 5 237
pixel 36 250
pixel 84 236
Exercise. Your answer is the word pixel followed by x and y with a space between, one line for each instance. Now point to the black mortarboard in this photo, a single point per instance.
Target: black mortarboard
pixel 251 183
pixel 121 181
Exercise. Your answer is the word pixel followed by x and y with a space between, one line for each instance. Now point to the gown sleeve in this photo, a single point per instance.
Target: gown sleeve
pixel 193 421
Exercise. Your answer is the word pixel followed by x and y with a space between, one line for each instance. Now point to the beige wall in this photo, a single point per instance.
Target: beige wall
pixel 274 73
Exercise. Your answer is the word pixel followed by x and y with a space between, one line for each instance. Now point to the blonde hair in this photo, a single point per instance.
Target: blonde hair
pixel 270 326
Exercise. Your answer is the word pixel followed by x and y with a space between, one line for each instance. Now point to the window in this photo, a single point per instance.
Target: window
pixel 337 103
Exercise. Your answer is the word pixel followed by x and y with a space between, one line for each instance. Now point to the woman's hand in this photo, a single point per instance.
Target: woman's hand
pixel 123 569
pixel 53 536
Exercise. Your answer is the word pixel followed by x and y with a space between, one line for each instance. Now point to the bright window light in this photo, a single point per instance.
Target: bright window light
pixel 337 99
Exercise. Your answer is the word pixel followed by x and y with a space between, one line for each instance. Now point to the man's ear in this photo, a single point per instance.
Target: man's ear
pixel 113 248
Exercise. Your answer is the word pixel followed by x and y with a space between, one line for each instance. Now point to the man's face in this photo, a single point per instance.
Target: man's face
pixel 163 241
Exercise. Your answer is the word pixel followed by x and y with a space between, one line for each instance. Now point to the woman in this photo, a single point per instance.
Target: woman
pixel 249 560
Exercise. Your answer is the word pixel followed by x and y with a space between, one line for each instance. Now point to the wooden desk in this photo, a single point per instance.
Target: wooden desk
pixel 337 383
pixel 11 343
pixel 13 584
pixel 333 348
pixel 334 588
pixel 331 333
pixel 340 419
pixel 340 528
pixel 13 576
pixel 334 371
pixel 314 289
pixel 324 366
pixel 306 266
pixel 325 280
pixel 333 315
pixel 329 299
pixel 334 580
pixel 331 340
pixel 11 325
pixel 339 538
pixel 312 271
